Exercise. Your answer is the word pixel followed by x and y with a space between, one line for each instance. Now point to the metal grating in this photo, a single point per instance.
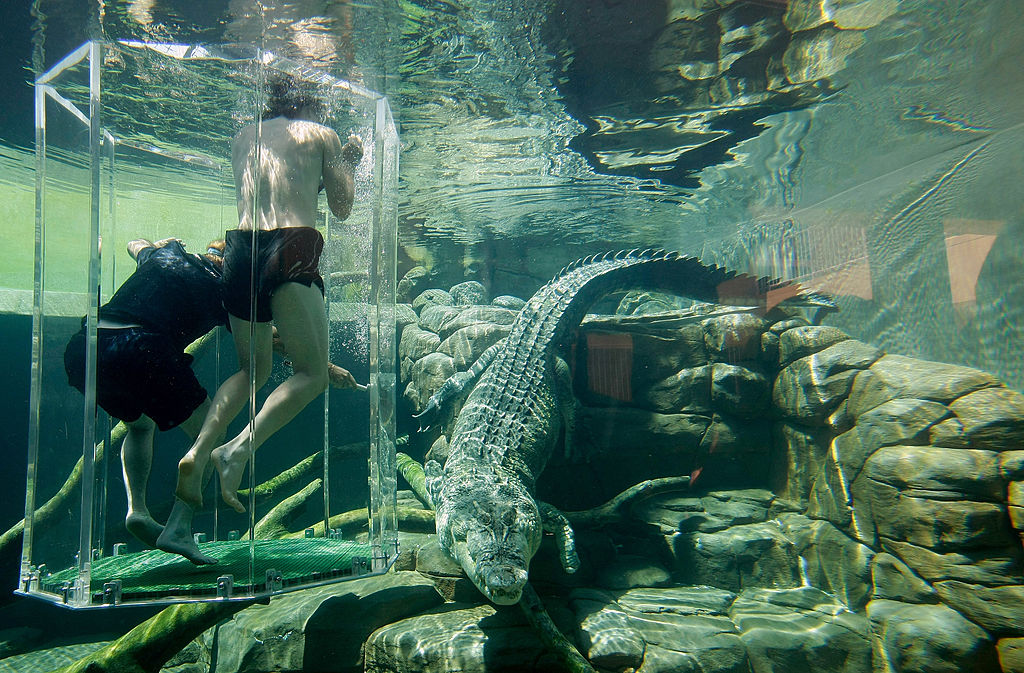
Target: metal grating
pixel 155 575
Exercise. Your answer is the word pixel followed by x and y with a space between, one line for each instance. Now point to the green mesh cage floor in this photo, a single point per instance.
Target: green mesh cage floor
pixel 156 575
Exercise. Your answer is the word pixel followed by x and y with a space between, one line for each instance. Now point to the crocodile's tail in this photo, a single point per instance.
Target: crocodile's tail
pixel 581 283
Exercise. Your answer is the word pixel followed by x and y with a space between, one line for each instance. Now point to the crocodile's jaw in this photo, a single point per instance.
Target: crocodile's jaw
pixel 501 582
pixel 492 528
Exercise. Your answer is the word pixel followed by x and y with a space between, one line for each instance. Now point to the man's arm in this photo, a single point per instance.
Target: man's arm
pixel 338 169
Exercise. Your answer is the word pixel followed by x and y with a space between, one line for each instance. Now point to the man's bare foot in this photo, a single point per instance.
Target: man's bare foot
pixel 144 527
pixel 183 545
pixel 190 480
pixel 230 465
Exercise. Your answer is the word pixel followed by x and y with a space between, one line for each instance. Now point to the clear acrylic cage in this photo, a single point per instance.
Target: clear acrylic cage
pixel 134 141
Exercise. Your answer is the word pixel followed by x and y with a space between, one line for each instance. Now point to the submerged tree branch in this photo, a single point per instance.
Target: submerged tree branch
pixel 276 523
pixel 48 511
pixel 550 634
pixel 617 509
pixel 412 472
pixel 151 644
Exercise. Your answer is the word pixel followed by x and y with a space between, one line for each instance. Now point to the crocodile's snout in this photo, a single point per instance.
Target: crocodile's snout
pixel 504 583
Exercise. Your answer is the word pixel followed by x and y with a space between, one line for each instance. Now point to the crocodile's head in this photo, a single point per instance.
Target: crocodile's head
pixel 490 525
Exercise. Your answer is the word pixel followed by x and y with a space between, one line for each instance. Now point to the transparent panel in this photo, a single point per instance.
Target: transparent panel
pixel 64 294
pixel 147 172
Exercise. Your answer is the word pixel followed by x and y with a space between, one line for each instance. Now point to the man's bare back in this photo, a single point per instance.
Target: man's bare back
pixel 282 176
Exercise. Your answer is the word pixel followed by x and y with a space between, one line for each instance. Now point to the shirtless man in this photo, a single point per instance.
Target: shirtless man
pixel 279 164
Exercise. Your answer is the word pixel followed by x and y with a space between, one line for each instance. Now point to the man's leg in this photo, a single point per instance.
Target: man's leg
pixel 136 462
pixel 229 400
pixel 176 536
pixel 302 325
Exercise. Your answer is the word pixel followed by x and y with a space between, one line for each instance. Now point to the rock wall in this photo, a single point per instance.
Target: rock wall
pixel 892 487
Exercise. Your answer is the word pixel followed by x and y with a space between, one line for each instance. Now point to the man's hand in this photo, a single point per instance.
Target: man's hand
pixel 341 378
pixel 352 152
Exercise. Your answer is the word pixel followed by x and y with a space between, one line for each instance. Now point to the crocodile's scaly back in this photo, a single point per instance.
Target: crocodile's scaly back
pixel 486 516
pixel 504 413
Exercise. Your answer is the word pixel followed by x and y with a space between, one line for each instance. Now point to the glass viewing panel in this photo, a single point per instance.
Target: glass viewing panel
pixel 134 142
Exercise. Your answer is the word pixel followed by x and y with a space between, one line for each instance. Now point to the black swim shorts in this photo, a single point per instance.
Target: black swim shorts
pixel 139 372
pixel 287 255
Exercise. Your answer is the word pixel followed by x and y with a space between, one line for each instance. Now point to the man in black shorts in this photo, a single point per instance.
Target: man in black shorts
pixel 145 378
pixel 279 165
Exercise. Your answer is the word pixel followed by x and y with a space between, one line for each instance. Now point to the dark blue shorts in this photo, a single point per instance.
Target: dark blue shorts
pixel 139 372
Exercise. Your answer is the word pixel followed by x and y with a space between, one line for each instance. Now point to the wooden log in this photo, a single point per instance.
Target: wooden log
pixel 277 522
pixel 151 644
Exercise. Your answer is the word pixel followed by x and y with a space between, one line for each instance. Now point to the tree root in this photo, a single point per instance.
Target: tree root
pixel 355 521
pixel 550 634
pixel 275 523
pixel 151 644
pixel 59 503
pixel 299 474
pixel 617 510
pixel 412 472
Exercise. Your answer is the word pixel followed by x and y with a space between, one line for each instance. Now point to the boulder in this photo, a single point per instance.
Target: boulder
pixel 929 638
pixel 807 340
pixel 433 316
pixel 816 54
pixel 739 391
pixel 468 293
pixel 656 358
pixel 894 376
pixel 941 474
pixel 658 629
pixel 800 629
pixel 319 629
pixel 404 315
pixel 509 302
pixel 833 561
pixel 830 500
pixel 416 343
pixel 455 637
pixel 734 337
pixel 629 571
pixel 708 513
pixel 431 297
pixel 686 391
pixel 809 389
pixel 893 580
pixel 426 376
pixel 992 418
pixel 942 525
pixel 844 14
pixel 468 343
pixel 475 315
pixel 999 610
pixel 412 283
pixel 753 555
pixel 1011 654
pixel 995 567
pixel 798 455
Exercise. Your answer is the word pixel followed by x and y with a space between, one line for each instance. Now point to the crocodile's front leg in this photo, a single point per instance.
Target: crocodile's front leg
pixel 455 386
pixel 556 523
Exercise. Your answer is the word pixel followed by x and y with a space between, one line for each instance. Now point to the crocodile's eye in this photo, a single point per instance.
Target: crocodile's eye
pixel 508 518
pixel 484 517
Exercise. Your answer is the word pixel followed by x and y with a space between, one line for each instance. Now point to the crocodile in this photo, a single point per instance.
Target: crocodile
pixel 487 518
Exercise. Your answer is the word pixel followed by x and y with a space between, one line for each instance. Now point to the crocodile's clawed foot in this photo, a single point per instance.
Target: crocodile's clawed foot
pixel 428 416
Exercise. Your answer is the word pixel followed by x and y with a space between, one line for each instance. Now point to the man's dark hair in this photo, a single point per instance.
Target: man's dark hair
pixel 287 97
